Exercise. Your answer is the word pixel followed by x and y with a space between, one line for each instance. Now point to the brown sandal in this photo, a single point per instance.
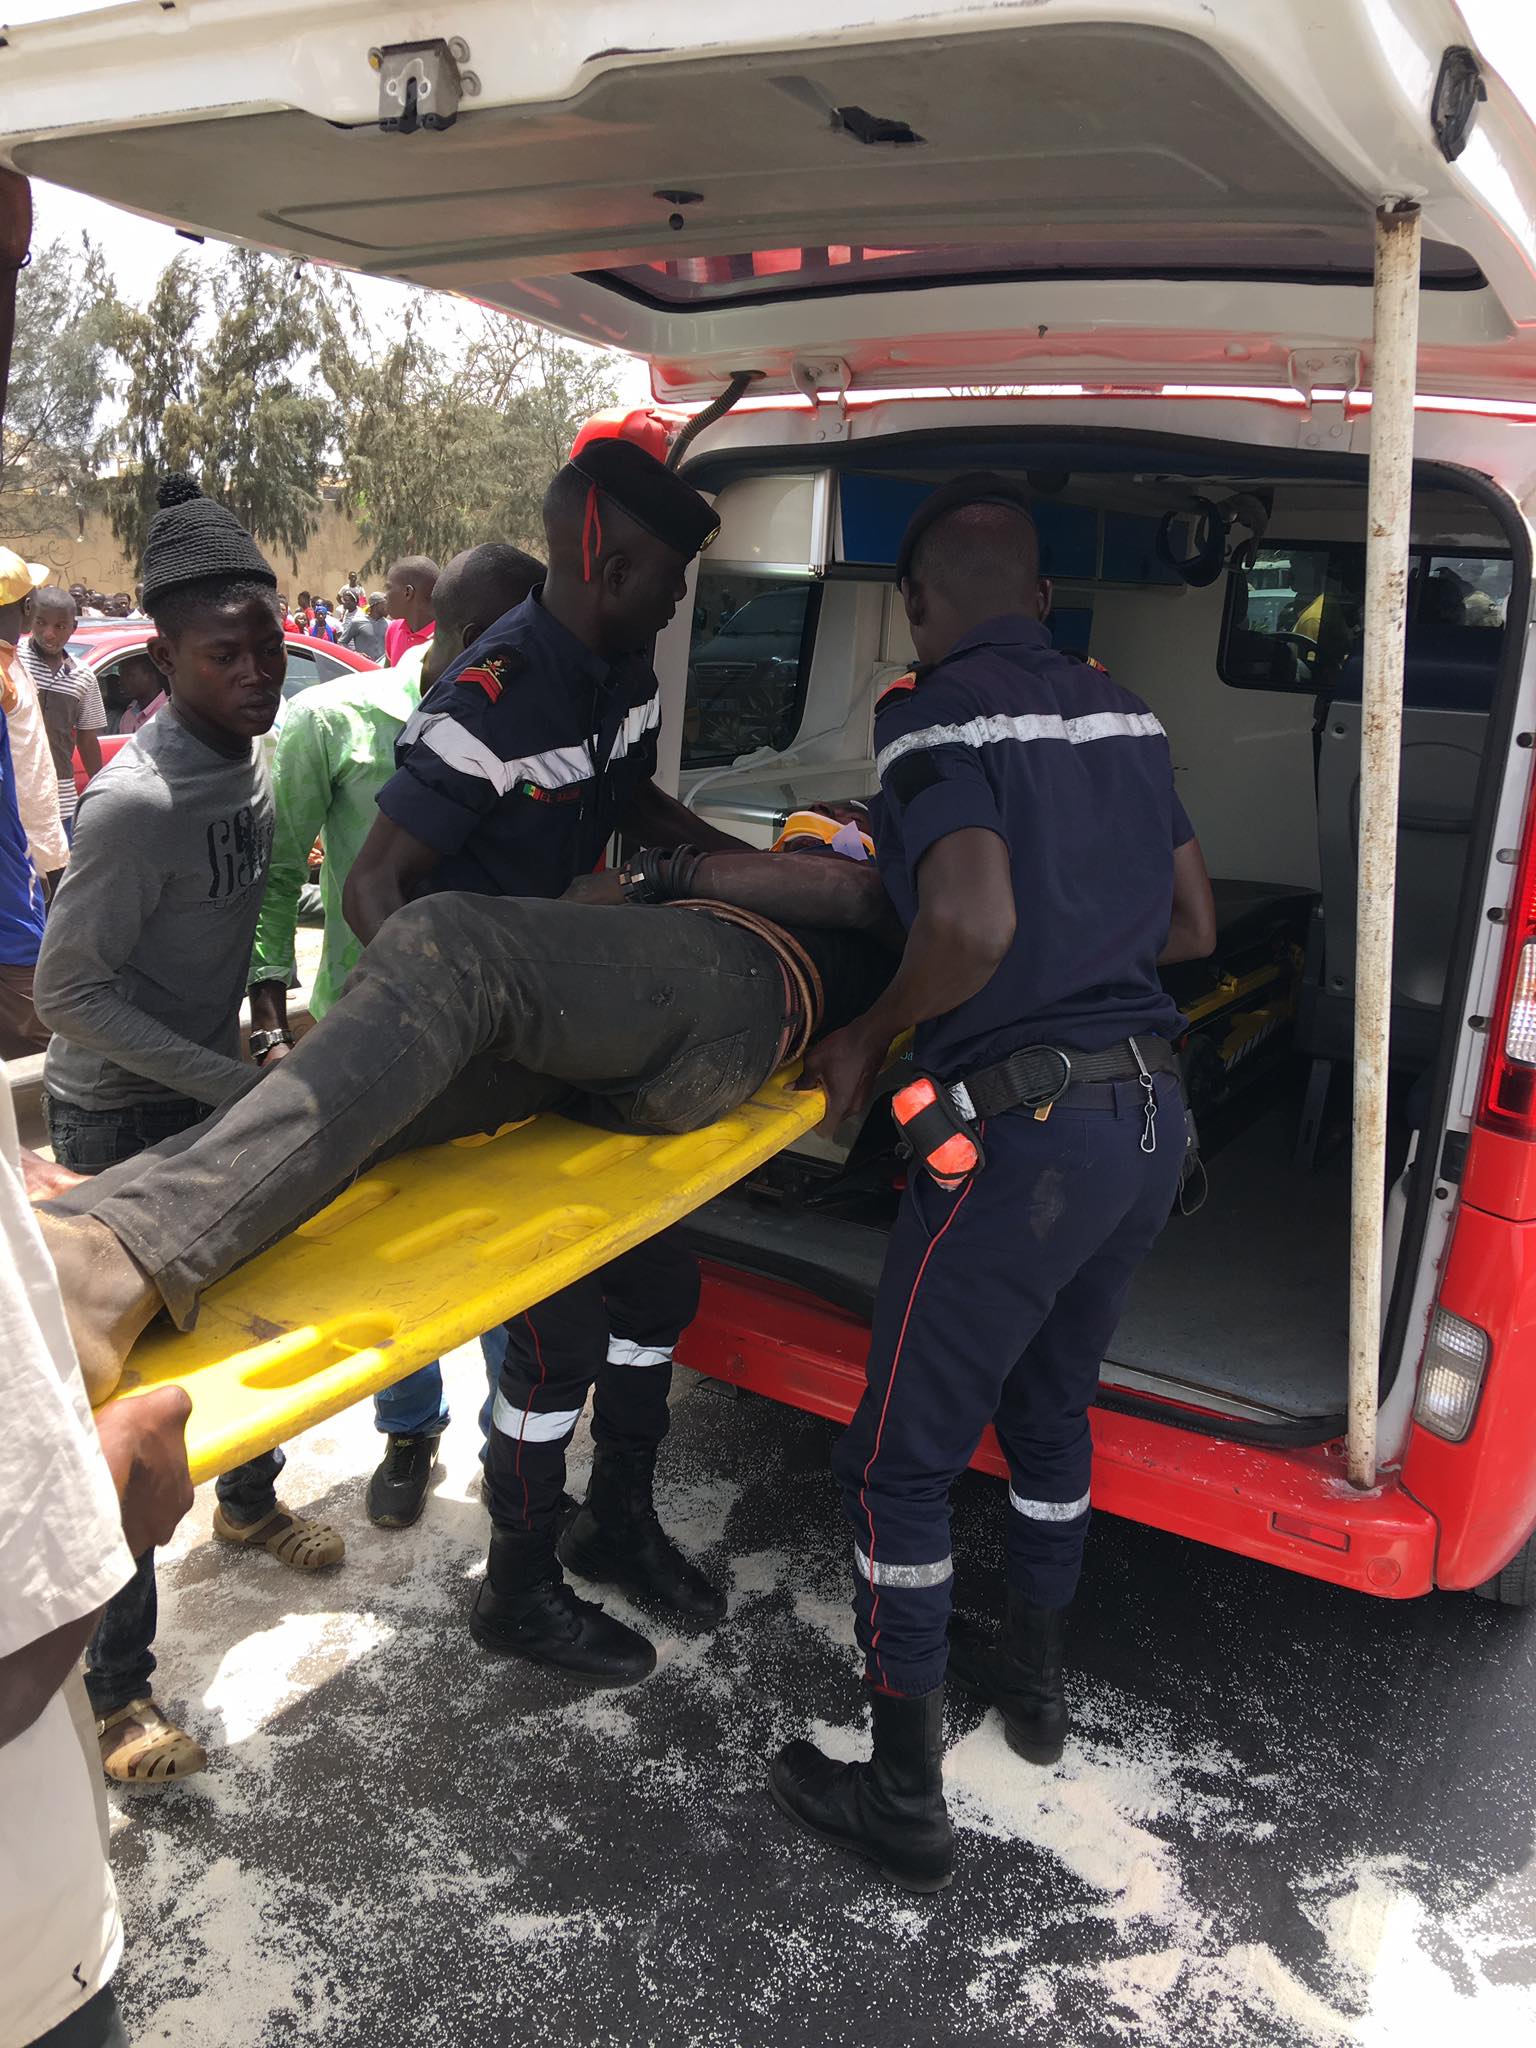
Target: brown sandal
pixel 140 1747
pixel 293 1540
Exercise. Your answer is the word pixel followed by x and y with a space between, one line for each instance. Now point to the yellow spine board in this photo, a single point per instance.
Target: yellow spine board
pixel 428 1252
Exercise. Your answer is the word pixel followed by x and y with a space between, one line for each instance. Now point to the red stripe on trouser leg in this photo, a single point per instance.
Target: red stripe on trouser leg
pixel 517 1468
pixel 1064 1213
pixel 874 1591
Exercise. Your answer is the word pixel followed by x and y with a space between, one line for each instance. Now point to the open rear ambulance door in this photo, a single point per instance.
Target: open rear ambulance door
pixel 1090 194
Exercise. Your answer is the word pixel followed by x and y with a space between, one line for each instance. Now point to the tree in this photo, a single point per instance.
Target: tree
pixel 258 426
pixel 259 376
pixel 452 443
pixel 157 347
pixel 65 307
pixel 238 404
pixel 562 386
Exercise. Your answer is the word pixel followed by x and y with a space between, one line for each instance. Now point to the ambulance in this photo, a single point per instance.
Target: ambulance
pixel 1246 295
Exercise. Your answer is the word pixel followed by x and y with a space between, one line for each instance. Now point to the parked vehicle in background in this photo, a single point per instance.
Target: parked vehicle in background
pixel 105 644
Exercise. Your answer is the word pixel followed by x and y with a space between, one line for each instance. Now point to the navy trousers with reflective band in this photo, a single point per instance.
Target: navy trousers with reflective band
pixel 996 1305
pixel 614 1331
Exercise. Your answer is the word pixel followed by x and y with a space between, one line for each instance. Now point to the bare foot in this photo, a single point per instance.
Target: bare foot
pixel 108 1298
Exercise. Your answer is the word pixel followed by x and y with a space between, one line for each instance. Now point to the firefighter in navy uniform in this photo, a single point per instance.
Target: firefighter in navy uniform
pixel 1030 837
pixel 528 754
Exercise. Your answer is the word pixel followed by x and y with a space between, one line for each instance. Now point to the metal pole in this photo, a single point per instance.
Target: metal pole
pixel 1388 514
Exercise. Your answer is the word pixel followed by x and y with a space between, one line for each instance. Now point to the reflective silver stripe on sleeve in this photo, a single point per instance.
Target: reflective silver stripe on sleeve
pixel 1028 726
pixel 622 1352
pixel 641 719
pixel 904 1574
pixel 446 738
pixel 1048 1510
pixel 530 1428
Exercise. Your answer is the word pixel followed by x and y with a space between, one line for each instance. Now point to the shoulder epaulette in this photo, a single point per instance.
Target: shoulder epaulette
pixel 491 674
pixel 898 687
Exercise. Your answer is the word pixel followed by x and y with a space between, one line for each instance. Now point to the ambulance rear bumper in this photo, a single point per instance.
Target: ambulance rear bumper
pixel 1288 1507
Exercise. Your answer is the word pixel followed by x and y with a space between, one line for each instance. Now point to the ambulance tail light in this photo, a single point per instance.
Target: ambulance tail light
pixel 1509 1080
pixel 1451 1378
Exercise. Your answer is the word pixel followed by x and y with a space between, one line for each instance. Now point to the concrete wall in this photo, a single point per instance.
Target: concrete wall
pixel 97 560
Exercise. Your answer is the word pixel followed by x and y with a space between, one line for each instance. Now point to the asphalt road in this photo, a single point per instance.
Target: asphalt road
pixel 1289 1815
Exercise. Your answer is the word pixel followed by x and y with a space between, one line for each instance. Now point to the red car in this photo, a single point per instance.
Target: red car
pixel 104 644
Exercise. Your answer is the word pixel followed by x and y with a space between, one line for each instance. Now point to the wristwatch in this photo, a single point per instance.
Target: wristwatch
pixel 263 1041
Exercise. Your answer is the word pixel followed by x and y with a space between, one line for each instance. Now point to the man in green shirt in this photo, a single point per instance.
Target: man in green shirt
pixel 335 753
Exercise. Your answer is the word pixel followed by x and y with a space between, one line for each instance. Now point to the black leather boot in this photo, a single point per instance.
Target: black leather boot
pixel 525 1609
pixel 890 1810
pixel 616 1539
pixel 1019 1673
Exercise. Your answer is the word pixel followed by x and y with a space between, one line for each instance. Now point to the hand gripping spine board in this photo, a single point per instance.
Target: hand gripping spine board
pixel 427 1252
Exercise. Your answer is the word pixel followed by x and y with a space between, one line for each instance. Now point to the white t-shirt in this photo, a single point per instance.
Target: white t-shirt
pixel 62 1555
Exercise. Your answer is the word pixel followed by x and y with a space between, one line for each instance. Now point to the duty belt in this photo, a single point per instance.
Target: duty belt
pixel 940 1123
pixel 1039 1076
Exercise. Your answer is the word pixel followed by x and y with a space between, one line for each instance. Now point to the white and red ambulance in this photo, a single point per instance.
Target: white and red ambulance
pixel 1140 255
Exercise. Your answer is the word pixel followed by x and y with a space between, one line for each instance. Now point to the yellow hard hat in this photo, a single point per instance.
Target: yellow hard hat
pixel 17 577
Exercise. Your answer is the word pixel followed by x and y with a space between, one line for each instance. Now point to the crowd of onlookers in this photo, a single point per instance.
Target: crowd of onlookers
pixel 95 604
pixel 357 618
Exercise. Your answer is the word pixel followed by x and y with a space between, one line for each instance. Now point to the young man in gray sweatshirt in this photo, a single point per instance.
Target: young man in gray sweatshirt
pixel 143 968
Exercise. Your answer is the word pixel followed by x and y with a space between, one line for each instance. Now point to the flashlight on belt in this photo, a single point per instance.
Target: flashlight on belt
pixel 937 1136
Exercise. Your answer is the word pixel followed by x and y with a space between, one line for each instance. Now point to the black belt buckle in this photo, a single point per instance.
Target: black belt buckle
pixel 1043 1101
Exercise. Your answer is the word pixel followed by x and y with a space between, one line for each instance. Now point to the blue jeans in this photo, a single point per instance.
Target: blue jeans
pixel 90 1140
pixel 120 1661
pixel 414 1406
pixel 417 1404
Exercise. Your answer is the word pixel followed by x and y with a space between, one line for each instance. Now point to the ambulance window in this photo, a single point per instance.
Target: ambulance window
pixel 1462 590
pixel 1312 254
pixel 1294 619
pixel 748 664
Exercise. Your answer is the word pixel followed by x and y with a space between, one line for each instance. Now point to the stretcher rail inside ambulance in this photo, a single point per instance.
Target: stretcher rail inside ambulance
pixel 1245 308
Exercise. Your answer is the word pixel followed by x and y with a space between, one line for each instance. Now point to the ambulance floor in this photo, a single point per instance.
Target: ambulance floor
pixel 1249 1297
pixel 1264 1833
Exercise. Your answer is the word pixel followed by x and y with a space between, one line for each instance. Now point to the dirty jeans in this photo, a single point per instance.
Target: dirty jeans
pixel 121 1661
pixel 466 1013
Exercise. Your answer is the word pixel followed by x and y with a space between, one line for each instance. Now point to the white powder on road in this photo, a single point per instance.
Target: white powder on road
pixel 1111 1908
pixel 1084 1814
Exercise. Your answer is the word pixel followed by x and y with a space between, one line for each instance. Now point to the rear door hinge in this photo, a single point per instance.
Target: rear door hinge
pixel 813 378
pixel 1327 423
